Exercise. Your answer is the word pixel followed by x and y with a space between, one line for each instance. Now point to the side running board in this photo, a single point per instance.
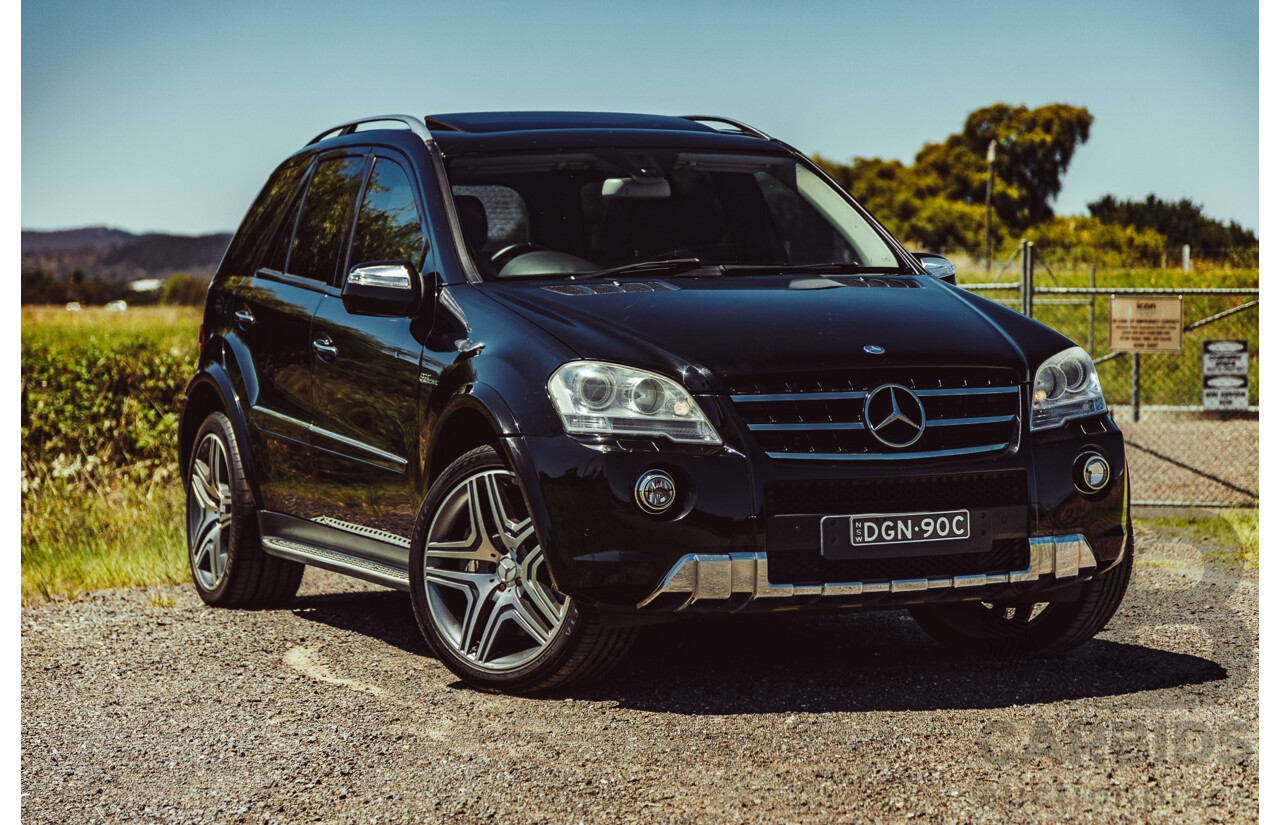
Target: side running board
pixel 361 568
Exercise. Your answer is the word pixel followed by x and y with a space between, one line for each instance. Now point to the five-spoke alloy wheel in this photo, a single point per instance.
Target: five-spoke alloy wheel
pixel 228 564
pixel 482 590
pixel 209 511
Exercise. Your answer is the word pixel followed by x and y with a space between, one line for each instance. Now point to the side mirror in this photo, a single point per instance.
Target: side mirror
pixel 937 266
pixel 382 288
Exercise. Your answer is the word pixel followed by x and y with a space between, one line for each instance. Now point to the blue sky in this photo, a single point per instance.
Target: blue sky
pixel 168 115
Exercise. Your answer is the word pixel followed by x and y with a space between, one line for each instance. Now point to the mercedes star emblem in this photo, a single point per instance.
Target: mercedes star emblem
pixel 894 415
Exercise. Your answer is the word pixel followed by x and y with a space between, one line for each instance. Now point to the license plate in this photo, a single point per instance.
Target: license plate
pixel 907 528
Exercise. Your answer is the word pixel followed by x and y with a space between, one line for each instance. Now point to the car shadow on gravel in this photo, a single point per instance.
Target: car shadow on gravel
pixel 868 662
pixel 812 663
pixel 385 615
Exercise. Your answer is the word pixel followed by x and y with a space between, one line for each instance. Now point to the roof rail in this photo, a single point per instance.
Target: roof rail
pixel 736 124
pixel 415 125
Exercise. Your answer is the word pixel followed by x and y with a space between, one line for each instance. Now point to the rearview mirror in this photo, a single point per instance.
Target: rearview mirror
pixel 937 266
pixel 382 288
pixel 635 188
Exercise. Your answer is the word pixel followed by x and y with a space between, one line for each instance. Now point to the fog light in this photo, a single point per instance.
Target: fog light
pixel 655 492
pixel 1092 472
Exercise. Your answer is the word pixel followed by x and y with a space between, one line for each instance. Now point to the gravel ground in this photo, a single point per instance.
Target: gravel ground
pixel 146 706
pixel 1226 449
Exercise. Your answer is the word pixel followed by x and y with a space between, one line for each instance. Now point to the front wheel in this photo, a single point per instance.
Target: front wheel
pixel 1004 630
pixel 482 591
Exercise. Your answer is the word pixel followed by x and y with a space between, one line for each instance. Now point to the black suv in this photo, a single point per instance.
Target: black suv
pixel 557 374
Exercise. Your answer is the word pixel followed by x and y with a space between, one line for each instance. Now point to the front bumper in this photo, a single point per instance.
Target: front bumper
pixel 746 529
pixel 740 581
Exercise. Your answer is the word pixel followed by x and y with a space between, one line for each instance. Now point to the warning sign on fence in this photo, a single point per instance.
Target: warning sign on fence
pixel 1226 375
pixel 1146 323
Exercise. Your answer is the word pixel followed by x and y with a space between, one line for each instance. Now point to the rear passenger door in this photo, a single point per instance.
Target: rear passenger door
pixel 367 382
pixel 274 317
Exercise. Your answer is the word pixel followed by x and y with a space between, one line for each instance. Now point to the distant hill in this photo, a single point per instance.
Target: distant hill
pixel 114 255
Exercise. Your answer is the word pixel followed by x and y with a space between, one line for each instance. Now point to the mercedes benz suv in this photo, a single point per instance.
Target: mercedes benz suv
pixel 559 374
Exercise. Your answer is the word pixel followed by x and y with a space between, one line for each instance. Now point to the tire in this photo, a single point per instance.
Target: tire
pixel 228 565
pixel 482 592
pixel 997 630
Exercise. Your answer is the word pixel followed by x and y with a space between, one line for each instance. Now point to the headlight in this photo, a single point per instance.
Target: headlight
pixel 603 399
pixel 1066 387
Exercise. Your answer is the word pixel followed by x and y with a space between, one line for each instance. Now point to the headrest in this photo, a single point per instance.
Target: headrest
pixel 475 223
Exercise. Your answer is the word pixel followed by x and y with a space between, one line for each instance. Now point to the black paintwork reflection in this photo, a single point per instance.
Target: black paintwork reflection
pixel 278 339
pixel 367 395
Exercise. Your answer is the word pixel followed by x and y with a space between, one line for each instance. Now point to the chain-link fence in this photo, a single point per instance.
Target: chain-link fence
pixel 1182 450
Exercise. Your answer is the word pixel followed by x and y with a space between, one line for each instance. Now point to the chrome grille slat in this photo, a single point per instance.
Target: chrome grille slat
pixel 820 417
pixel 800 396
pixel 955 451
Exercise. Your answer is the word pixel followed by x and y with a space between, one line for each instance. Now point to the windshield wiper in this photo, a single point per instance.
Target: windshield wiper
pixel 669 264
pixel 835 268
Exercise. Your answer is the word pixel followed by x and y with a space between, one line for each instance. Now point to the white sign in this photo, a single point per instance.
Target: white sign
pixel 1146 323
pixel 1226 375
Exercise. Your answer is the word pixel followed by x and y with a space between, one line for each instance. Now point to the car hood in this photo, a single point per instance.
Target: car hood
pixel 720 328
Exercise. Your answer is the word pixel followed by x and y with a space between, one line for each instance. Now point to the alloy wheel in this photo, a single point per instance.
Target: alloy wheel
pixel 488 589
pixel 209 512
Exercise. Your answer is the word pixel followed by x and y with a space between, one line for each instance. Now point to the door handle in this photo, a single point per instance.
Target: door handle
pixel 325 349
pixel 245 319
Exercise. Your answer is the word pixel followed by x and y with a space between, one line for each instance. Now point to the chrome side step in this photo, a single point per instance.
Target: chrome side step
pixel 715 577
pixel 361 568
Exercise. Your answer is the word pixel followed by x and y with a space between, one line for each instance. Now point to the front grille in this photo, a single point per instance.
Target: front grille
pixel 809 567
pixel 910 494
pixel 821 416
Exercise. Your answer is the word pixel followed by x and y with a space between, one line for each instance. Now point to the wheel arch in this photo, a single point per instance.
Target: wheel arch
pixel 473 416
pixel 211 391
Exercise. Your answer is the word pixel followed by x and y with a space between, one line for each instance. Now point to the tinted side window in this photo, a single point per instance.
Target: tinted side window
pixel 278 252
pixel 325 218
pixel 389 227
pixel 260 217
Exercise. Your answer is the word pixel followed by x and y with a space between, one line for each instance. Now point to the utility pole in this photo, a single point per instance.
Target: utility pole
pixel 991 174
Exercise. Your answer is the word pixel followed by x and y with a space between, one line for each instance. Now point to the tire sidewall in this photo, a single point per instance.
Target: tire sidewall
pixel 532 673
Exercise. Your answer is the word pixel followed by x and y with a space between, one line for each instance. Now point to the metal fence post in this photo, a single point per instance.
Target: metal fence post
pixel 1093 303
pixel 1137 384
pixel 1028 276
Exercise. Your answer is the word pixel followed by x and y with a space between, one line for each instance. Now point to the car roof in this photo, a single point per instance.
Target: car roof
pixel 473 122
pixel 463 132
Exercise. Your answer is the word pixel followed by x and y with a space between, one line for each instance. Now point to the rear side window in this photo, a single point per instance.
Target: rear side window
pixel 260 217
pixel 325 218
pixel 389 227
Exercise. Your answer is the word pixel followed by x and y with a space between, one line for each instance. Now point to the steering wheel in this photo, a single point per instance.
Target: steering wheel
pixel 507 254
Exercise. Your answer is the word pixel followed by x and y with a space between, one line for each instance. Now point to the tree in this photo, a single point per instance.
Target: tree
pixel 1183 222
pixel 939 201
pixel 1107 244
pixel 1034 147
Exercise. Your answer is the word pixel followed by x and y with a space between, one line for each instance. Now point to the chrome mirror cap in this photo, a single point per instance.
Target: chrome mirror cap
pixel 384 276
pixel 937 266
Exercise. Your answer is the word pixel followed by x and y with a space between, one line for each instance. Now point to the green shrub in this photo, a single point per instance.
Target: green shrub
pixel 101 496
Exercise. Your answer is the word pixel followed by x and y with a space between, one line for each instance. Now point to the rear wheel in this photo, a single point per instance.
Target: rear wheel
pixel 228 565
pixel 482 591
pixel 1001 629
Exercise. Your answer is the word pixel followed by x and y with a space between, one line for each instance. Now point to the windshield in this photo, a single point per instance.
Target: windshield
pixel 563 214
